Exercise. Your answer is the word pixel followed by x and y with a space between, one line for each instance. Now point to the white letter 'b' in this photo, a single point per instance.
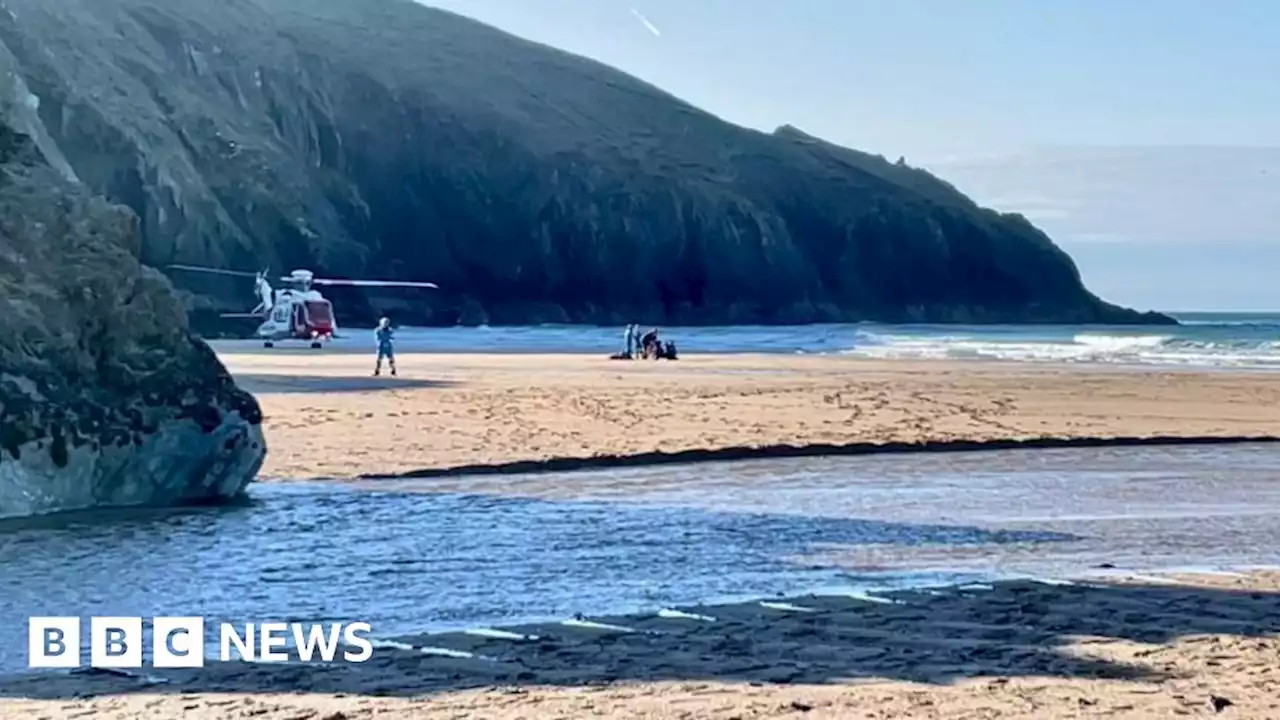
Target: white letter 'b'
pixel 115 642
pixel 53 642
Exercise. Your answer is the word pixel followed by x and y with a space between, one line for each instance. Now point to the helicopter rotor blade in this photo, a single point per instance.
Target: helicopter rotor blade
pixel 374 283
pixel 215 271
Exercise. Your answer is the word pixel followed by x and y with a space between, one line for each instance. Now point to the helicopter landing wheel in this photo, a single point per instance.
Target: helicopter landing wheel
pixel 315 346
pixel 268 344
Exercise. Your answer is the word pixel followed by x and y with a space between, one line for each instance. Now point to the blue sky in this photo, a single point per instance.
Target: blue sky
pixel 976 89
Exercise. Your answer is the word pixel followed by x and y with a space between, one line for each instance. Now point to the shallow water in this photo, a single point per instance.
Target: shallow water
pixel 411 556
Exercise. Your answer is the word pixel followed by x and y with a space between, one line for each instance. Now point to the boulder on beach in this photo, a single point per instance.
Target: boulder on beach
pixel 106 398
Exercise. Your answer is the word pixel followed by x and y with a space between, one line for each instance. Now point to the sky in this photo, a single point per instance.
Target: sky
pixel 1008 99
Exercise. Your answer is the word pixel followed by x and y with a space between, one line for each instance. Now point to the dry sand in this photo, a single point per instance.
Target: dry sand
pixel 1207 646
pixel 327 417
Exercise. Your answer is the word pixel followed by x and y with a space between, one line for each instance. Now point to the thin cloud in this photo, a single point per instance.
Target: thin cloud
pixel 646 22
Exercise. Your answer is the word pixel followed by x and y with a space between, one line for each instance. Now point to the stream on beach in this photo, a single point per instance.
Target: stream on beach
pixel 454 553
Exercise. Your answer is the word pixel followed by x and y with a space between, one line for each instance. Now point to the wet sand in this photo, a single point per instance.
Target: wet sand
pixel 1192 646
pixel 327 417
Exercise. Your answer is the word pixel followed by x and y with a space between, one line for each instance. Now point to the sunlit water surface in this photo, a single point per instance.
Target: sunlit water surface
pixel 410 556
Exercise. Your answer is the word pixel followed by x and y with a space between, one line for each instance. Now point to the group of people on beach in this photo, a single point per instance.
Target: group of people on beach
pixel 648 346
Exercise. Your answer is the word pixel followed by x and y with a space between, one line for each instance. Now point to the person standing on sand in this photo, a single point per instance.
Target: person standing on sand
pixel 384 336
pixel 630 335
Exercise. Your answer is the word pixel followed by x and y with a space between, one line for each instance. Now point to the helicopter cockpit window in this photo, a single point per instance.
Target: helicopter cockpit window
pixel 319 312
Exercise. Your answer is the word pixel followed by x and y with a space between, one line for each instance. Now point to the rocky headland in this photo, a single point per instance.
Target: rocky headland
pixel 384 138
pixel 106 399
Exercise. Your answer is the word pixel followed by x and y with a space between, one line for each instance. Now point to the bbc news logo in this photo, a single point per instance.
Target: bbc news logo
pixel 179 642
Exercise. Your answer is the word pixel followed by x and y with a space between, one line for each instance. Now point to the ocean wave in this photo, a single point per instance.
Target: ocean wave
pixel 1088 347
pixel 1226 342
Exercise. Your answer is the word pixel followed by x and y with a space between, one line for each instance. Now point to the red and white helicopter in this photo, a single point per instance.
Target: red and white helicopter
pixel 297 312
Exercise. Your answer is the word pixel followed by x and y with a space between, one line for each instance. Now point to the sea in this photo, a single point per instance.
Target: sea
pixel 1203 340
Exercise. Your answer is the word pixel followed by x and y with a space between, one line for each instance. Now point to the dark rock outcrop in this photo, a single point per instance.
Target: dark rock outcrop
pixel 106 400
pixel 385 138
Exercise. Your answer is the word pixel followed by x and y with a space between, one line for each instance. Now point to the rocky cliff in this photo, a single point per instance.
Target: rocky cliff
pixel 105 398
pixel 381 137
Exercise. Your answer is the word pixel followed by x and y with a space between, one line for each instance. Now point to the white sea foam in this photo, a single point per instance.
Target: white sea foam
pixel 1126 349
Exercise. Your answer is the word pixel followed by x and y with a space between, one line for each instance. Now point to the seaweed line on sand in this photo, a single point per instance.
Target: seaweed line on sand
pixel 728 454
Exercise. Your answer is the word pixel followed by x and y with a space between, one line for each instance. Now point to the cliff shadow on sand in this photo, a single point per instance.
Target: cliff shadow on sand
pixel 1151 635
pixel 289 384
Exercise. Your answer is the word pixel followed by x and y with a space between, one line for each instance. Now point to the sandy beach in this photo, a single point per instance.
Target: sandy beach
pixel 327 417
pixel 1142 648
